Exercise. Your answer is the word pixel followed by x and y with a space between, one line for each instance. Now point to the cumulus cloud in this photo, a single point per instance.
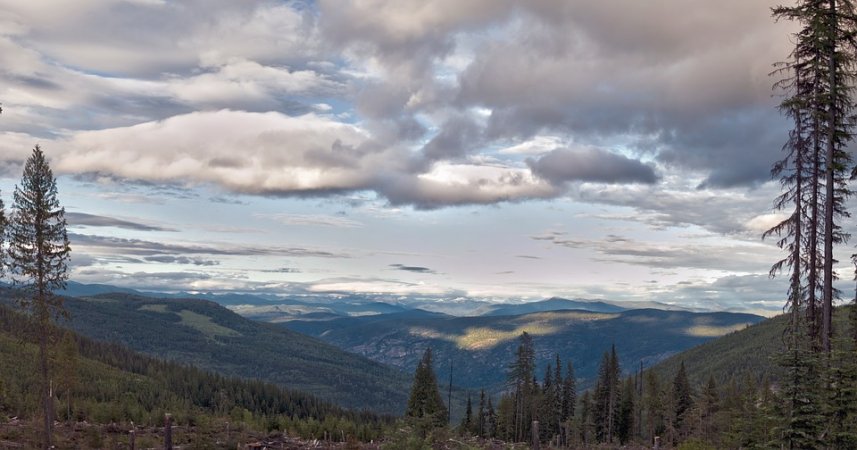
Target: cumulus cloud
pixel 593 165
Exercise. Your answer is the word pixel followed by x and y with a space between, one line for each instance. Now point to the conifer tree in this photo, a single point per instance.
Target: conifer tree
pixel 480 425
pixel 625 423
pixel 556 407
pixel 491 420
pixel 682 398
pixel 569 393
pixel 425 400
pixel 654 406
pixel 522 382
pixel 38 260
pixel 709 404
pixel 467 421
pixel 607 396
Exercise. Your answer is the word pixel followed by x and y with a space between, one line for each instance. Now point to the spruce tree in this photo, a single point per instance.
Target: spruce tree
pixel 491 420
pixel 556 408
pixel 425 401
pixel 607 397
pixel 625 423
pixel 522 383
pixel 480 425
pixel 38 260
pixel 467 421
pixel 682 397
pixel 569 393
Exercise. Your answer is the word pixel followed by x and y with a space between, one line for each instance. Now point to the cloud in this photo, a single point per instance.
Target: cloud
pixel 736 257
pixel 92 220
pixel 281 270
pixel 376 286
pixel 592 165
pixel 313 220
pixel 170 259
pixel 141 247
pixel 415 269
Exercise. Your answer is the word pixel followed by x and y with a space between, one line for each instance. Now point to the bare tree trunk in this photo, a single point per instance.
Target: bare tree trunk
pixel 536 442
pixel 46 389
pixel 827 305
pixel 812 244
pixel 168 432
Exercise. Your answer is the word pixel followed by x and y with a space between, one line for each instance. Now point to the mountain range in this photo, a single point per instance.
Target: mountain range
pixel 481 348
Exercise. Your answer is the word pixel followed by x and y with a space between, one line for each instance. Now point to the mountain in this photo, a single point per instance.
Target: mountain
pixel 75 289
pixel 117 386
pixel 553 304
pixel 206 335
pixel 481 348
pixel 750 351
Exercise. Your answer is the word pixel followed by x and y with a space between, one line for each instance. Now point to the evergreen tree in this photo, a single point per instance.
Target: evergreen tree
pixel 557 399
pixel 425 401
pixel 654 406
pixel 491 420
pixel 569 393
pixel 682 399
pixel 804 419
pixel 607 397
pixel 823 63
pixel 548 421
pixel 480 426
pixel 467 421
pixel 522 382
pixel 587 420
pixel 38 259
pixel 625 423
pixel 709 404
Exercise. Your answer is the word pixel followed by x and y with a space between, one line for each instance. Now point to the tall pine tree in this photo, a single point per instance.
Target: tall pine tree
pixel 38 260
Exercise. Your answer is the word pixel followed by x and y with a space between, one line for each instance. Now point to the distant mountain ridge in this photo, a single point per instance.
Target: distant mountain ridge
pixel 481 348
pixel 276 308
pixel 553 304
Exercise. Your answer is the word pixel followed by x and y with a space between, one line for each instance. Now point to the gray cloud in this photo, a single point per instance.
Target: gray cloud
pixel 743 257
pixel 591 164
pixel 404 99
pixel 92 220
pixel 281 270
pixel 415 269
pixel 170 259
pixel 141 247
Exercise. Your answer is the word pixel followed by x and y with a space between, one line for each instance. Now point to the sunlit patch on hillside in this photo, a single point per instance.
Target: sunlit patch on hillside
pixel 154 308
pixel 479 338
pixel 430 333
pixel 565 316
pixel 713 331
pixel 205 325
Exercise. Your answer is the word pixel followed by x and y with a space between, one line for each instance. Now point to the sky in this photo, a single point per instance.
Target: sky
pixel 497 149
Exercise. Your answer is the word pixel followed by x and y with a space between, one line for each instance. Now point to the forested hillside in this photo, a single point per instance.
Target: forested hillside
pixel 107 383
pixel 206 335
pixel 750 352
